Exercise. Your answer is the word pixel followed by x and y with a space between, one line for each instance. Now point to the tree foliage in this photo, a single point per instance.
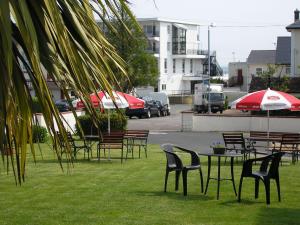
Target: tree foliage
pixel 62 38
pixel 140 65
pixel 268 78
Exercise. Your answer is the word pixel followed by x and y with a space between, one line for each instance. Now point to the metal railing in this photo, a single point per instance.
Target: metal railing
pixel 151 34
pixel 179 92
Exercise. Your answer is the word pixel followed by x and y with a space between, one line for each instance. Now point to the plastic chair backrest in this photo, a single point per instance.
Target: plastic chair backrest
pixel 173 161
pixel 276 157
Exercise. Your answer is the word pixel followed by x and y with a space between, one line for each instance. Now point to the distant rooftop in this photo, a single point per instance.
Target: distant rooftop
pixel 295 25
pixel 262 57
pixel 169 21
pixel 283 51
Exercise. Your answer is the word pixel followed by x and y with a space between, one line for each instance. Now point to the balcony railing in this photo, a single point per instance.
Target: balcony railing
pixel 153 51
pixel 152 34
pixel 179 92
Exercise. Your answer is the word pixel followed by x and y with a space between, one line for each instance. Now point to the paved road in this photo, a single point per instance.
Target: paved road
pixel 190 140
pixel 168 123
pixel 167 130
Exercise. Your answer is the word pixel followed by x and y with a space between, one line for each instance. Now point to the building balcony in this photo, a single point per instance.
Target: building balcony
pixel 193 53
pixel 153 51
pixel 194 76
pixel 152 34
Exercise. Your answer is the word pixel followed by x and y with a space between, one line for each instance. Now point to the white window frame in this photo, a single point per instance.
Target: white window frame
pixel 258 70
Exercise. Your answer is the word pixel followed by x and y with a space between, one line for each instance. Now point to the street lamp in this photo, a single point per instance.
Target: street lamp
pixel 208 30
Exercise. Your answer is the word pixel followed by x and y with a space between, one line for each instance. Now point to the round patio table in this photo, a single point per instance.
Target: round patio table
pixel 219 179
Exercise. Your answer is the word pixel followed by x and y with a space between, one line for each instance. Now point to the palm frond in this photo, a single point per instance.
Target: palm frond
pixel 61 39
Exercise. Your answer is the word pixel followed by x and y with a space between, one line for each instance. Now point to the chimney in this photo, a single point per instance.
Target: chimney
pixel 296 13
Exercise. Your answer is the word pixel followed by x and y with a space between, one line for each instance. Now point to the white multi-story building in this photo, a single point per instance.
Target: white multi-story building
pixel 181 61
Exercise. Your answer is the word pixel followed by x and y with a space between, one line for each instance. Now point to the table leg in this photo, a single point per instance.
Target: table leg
pixel 232 174
pixel 218 191
pixel 208 174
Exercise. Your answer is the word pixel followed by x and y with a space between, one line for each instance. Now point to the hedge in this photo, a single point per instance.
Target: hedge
pixel 36 106
pixel 117 122
pixel 39 134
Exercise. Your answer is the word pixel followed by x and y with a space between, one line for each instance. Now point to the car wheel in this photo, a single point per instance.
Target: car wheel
pixel 148 114
pixel 130 117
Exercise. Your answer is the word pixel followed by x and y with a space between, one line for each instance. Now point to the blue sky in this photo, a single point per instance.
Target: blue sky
pixel 238 22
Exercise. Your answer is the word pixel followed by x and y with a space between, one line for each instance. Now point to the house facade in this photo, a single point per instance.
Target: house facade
pixel 286 57
pixel 236 69
pixel 294 29
pixel 181 61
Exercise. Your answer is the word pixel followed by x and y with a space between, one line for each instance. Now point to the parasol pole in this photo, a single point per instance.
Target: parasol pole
pixel 268 127
pixel 108 117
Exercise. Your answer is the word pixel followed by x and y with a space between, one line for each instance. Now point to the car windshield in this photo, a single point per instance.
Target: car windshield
pixel 216 96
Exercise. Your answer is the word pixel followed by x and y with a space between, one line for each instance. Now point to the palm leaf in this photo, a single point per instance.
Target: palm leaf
pixel 59 38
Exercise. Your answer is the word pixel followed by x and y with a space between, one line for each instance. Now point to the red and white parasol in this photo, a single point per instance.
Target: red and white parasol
pixel 119 100
pixel 267 100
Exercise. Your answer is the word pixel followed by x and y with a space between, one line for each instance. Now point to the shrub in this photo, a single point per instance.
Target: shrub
pixel 36 106
pixel 117 122
pixel 39 134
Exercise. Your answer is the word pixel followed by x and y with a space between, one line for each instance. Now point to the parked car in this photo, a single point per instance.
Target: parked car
pixel 150 109
pixel 63 105
pixel 163 108
pixel 163 98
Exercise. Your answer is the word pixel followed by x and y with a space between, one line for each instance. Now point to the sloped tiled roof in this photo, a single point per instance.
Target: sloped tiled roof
pixel 283 51
pixel 261 57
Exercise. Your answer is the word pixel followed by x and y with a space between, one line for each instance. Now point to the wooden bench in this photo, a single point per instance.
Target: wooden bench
pixel 262 136
pixel 289 143
pixel 111 141
pixel 72 144
pixel 136 138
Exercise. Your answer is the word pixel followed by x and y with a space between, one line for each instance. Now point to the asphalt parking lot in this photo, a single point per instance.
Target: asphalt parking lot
pixel 167 123
pixel 168 130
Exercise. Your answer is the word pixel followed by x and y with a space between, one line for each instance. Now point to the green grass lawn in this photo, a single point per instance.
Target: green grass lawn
pixel 132 193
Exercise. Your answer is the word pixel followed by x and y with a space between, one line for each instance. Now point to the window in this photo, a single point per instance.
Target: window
pixel 178 41
pixel 259 71
pixel 163 87
pixel 154 30
pixel 169 46
pixel 154 47
pixel 183 66
pixel 191 66
pixel 166 65
pixel 169 29
pixel 174 65
pixel 150 30
pixel 288 70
